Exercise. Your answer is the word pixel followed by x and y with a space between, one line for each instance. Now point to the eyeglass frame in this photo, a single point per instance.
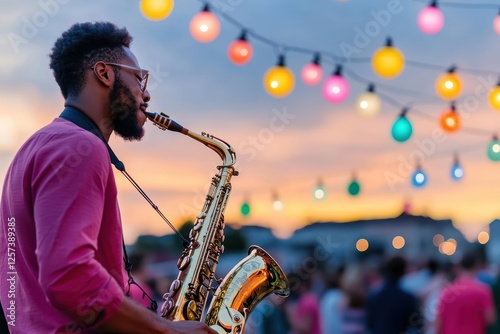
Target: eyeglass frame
pixel 143 83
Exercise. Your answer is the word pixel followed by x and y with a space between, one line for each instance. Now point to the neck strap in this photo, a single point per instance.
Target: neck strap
pixel 83 121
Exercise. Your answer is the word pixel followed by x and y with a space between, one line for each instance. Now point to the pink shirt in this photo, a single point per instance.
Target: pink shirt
pixel 462 307
pixel 61 269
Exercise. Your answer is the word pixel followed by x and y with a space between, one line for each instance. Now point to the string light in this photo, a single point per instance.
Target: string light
pixel 312 73
pixel 493 149
pixel 431 19
pixel 368 103
pixel 319 192
pixel 204 26
pixel 156 10
pixel 449 85
pixel 245 208
pixel 277 203
pixel 494 97
pixel 388 62
pixel 240 51
pixel 457 173
pixel 354 188
pixel 496 23
pixel 418 178
pixel 336 88
pixel 279 80
pixel 402 129
pixel 450 120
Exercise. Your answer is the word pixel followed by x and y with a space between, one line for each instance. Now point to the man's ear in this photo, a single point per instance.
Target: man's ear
pixel 104 74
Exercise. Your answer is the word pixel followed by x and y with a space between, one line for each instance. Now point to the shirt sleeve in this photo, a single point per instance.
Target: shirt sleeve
pixel 69 182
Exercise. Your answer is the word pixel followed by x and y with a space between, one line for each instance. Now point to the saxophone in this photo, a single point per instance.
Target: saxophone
pixel 251 280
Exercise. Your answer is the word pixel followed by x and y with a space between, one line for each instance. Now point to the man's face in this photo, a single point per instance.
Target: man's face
pixel 123 110
pixel 127 101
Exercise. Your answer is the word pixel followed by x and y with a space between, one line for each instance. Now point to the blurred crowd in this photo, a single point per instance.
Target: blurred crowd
pixel 391 296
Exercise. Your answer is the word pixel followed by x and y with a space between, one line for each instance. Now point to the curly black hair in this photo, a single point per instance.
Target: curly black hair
pixel 80 47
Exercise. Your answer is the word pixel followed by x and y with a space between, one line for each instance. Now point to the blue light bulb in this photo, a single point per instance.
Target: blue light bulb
pixel 457 173
pixel 401 129
pixel 419 178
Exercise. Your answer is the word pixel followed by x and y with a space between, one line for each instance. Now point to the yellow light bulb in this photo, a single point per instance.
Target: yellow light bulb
pixel 449 86
pixel 156 10
pixel 388 62
pixel 279 81
pixel 494 98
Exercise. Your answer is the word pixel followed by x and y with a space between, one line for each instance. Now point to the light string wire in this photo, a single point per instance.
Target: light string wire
pixel 335 59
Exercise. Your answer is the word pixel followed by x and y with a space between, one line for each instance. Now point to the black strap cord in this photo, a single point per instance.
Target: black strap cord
pixel 79 118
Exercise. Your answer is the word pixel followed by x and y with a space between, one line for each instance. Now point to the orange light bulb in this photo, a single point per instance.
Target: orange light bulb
pixel 240 51
pixel 449 85
pixel 494 98
pixel 279 80
pixel 450 120
pixel 204 26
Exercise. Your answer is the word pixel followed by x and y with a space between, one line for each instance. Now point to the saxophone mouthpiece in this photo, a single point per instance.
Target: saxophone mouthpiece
pixel 164 122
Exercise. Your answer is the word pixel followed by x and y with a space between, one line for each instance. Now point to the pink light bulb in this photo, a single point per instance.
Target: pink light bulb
pixel 311 74
pixel 496 24
pixel 335 89
pixel 430 20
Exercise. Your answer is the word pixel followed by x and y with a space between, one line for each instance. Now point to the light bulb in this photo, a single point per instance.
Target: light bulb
pixel 277 203
pixel 388 62
pixel 245 209
pixel 450 120
pixel 431 19
pixel 312 73
pixel 319 192
pixel 368 103
pixel 402 129
pixel 279 80
pixel 204 26
pixel 336 88
pixel 457 173
pixel 494 97
pixel 496 24
pixel 354 188
pixel 493 149
pixel 156 10
pixel 419 178
pixel 448 85
pixel 240 51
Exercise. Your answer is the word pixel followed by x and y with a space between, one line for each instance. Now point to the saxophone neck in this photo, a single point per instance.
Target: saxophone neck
pixel 222 148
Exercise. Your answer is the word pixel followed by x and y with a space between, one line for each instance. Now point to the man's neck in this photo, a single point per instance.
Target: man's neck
pixel 91 112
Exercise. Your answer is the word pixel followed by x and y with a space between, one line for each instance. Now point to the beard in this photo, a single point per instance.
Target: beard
pixel 123 112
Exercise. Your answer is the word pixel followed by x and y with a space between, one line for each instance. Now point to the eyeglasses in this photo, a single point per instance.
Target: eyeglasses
pixel 144 74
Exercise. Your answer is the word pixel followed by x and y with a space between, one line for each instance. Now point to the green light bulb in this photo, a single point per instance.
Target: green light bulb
pixel 354 188
pixel 401 129
pixel 245 209
pixel 493 150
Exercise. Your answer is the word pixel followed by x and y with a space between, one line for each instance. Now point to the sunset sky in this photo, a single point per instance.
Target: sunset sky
pixel 283 145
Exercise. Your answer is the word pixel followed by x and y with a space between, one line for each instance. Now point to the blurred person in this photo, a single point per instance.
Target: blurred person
pixel 466 305
pixel 392 310
pixel 495 289
pixel 304 313
pixel 441 276
pixel 269 317
pixel 331 301
pixel 353 305
pixel 59 201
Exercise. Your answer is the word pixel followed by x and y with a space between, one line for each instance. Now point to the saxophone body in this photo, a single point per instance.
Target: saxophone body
pixel 252 279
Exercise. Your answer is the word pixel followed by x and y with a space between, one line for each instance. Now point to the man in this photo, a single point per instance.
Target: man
pixel 60 222
pixel 466 305
pixel 391 310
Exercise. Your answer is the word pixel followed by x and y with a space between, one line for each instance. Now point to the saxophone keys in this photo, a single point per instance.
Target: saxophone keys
pixel 190 310
pixel 174 287
pixel 168 305
pixel 183 262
